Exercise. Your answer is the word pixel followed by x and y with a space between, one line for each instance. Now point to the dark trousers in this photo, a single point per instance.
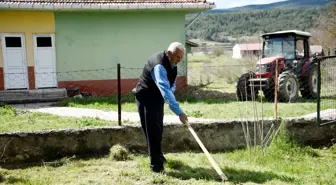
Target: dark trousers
pixel 151 116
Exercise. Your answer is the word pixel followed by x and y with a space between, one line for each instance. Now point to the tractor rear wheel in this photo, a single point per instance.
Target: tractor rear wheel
pixel 243 88
pixel 309 84
pixel 288 87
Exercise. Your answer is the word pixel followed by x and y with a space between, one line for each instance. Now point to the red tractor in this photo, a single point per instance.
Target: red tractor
pixel 296 70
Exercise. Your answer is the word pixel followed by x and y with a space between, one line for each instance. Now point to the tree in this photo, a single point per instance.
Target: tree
pixel 216 26
pixel 325 33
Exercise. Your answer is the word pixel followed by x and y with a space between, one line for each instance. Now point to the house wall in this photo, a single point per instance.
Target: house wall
pixel 2 76
pixel 26 23
pixel 251 53
pixel 236 52
pixel 1 56
pixel 2 80
pixel 98 41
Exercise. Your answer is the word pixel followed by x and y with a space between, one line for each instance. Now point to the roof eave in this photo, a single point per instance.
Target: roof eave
pixel 192 43
pixel 102 7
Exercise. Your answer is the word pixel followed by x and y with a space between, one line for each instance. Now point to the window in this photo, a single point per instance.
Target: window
pixel 281 46
pixel 299 52
pixel 43 42
pixel 13 42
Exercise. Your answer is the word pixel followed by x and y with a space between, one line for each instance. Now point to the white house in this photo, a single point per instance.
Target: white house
pixel 316 49
pixel 245 50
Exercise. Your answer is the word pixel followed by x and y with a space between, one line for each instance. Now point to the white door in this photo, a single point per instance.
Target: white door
pixel 45 61
pixel 15 64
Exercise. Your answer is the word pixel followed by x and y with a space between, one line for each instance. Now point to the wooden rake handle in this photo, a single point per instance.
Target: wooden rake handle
pixel 212 161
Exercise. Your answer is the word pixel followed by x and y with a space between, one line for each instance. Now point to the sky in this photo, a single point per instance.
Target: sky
pixel 220 4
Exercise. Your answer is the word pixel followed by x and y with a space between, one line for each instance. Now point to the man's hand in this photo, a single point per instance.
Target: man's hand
pixel 183 118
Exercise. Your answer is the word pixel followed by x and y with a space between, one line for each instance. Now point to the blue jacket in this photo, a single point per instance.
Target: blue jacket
pixel 159 76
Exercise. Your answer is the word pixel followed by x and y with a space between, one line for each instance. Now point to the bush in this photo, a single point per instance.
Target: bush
pixel 218 51
pixel 6 110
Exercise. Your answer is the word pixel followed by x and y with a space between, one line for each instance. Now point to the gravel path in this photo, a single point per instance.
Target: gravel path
pixel 95 113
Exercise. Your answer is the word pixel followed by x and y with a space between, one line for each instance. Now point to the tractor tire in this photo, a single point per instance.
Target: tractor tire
pixel 309 84
pixel 288 89
pixel 243 88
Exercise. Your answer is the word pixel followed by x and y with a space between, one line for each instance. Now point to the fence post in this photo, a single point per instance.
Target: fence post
pixel 318 92
pixel 276 90
pixel 119 94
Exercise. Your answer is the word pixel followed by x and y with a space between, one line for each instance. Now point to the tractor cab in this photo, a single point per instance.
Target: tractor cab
pixel 296 72
pixel 292 45
pixel 290 48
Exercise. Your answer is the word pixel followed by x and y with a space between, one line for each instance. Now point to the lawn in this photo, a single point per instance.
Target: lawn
pixel 15 120
pixel 283 163
pixel 211 93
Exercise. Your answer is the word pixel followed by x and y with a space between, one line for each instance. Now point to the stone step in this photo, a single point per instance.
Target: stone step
pixel 32 95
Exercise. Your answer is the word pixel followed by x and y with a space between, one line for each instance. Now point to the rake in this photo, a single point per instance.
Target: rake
pixel 212 161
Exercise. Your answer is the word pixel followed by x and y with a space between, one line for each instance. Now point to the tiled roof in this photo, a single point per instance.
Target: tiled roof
pixel 109 1
pixel 106 4
pixel 250 46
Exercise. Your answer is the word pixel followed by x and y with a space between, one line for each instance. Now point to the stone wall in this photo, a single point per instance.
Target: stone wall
pixel 18 147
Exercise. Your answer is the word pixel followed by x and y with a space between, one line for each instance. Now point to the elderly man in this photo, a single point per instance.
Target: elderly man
pixel 156 86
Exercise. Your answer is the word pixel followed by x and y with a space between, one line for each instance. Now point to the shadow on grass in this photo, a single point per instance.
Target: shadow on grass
pixel 8 179
pixel 185 172
pixel 192 94
pixel 110 100
pixel 55 161
pixel 15 180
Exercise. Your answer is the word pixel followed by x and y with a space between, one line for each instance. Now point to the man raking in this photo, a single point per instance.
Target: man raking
pixel 156 86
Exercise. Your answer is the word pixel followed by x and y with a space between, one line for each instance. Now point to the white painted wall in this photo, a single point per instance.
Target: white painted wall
pixel 236 52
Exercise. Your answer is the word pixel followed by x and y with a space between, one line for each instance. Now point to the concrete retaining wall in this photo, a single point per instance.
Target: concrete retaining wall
pixel 21 147
pixel 32 95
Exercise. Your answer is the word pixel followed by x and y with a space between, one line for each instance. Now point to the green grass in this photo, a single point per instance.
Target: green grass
pixel 283 163
pixel 213 60
pixel 15 120
pixel 207 105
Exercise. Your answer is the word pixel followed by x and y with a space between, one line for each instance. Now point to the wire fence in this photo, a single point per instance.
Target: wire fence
pixel 211 91
pixel 326 105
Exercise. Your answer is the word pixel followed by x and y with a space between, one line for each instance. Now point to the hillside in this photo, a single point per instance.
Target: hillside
pixel 283 4
pixel 221 26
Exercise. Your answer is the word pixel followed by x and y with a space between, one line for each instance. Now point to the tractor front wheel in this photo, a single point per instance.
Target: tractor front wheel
pixel 288 87
pixel 244 90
